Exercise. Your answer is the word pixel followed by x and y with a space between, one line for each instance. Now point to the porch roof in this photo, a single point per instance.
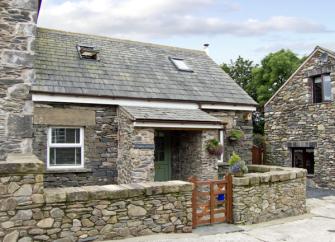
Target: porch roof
pixel 170 115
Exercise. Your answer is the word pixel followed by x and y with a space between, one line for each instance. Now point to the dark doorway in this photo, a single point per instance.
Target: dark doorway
pixel 303 158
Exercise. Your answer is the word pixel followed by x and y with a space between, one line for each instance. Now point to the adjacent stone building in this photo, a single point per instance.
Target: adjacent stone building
pixel 99 110
pixel 299 119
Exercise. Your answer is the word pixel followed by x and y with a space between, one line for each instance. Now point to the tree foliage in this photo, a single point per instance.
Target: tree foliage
pixel 262 81
pixel 274 70
pixel 240 71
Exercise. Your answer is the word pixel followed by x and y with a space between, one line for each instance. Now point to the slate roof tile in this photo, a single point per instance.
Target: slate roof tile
pixel 169 114
pixel 129 69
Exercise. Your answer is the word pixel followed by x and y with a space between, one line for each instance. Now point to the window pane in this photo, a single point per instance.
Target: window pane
pixel 317 90
pixel 65 156
pixel 327 88
pixel 181 65
pixel 65 135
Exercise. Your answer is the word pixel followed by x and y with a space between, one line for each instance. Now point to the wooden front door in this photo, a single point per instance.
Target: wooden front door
pixel 162 157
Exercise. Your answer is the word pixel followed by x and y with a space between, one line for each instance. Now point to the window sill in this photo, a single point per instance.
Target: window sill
pixel 310 175
pixel 68 170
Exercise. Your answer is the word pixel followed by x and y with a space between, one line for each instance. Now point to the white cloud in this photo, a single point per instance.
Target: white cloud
pixel 161 18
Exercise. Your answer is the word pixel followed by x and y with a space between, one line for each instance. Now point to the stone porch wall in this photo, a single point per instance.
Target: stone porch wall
pixel 189 155
pixel 100 142
pixel 30 213
pixel 17 35
pixel 135 152
pixel 268 193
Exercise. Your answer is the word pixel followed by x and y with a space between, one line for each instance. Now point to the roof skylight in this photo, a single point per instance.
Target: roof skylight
pixel 87 52
pixel 180 64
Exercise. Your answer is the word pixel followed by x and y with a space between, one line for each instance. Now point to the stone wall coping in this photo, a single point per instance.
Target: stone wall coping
pixel 268 174
pixel 21 163
pixel 110 192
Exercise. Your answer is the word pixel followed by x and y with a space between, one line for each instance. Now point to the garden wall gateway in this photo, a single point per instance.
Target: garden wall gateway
pixel 30 212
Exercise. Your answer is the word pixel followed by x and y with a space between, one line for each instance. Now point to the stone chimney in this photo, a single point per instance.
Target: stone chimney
pixel 206 48
pixel 17 34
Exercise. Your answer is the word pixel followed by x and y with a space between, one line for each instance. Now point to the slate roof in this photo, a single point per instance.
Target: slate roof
pixel 129 69
pixel 169 114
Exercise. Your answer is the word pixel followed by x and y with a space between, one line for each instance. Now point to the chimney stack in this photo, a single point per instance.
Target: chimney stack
pixel 206 48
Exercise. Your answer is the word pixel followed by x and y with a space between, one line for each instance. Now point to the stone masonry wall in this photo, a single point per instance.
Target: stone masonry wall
pixel 293 120
pixel 189 155
pixel 90 213
pixel 100 147
pixel 236 120
pixel 135 152
pixel 268 193
pixel 17 35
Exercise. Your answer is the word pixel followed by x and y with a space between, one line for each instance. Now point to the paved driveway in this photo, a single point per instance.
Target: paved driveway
pixel 316 226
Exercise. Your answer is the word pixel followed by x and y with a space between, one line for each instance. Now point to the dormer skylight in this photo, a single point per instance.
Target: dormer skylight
pixel 87 52
pixel 180 64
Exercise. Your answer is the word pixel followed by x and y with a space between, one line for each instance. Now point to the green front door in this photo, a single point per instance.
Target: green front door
pixel 162 157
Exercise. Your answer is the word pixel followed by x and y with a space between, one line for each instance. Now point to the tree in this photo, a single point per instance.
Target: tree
pixel 274 70
pixel 240 70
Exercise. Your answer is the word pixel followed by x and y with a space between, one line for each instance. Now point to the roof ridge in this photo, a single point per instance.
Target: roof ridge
pixel 119 39
pixel 325 49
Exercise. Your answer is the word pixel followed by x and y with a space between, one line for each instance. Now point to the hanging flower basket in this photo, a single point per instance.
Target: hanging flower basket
pixel 214 147
pixel 235 135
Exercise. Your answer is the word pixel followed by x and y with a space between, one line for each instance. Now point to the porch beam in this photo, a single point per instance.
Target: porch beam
pixel 177 125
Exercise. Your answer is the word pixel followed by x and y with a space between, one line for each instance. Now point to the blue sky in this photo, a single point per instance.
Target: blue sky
pixel 250 29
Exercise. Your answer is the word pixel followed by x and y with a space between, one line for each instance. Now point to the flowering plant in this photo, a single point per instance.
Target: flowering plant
pixel 236 165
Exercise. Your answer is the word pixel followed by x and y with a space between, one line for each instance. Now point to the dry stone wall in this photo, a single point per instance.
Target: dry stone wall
pixel 30 213
pixel 268 193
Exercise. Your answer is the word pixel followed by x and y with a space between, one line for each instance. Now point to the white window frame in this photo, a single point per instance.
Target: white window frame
pixel 68 145
pixel 180 64
pixel 221 140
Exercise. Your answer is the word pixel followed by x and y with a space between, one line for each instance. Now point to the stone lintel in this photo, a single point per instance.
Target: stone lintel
pixel 64 116
pixel 109 192
pixel 305 144
pixel 21 164
pixel 268 174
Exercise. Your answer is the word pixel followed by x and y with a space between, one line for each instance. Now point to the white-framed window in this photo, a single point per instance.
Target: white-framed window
pixel 65 148
pixel 180 64
pixel 221 140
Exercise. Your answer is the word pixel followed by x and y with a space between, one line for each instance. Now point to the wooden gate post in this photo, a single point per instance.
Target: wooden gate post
pixel 229 202
pixel 193 179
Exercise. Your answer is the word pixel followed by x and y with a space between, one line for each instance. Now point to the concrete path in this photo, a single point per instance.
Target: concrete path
pixel 316 226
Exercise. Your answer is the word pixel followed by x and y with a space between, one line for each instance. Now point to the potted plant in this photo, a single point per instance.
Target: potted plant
pixel 235 135
pixel 237 166
pixel 214 147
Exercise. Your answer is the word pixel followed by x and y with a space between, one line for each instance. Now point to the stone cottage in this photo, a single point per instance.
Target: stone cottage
pixel 100 110
pixel 299 119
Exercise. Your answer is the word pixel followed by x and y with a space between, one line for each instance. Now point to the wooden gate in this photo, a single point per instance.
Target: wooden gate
pixel 257 155
pixel 212 201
